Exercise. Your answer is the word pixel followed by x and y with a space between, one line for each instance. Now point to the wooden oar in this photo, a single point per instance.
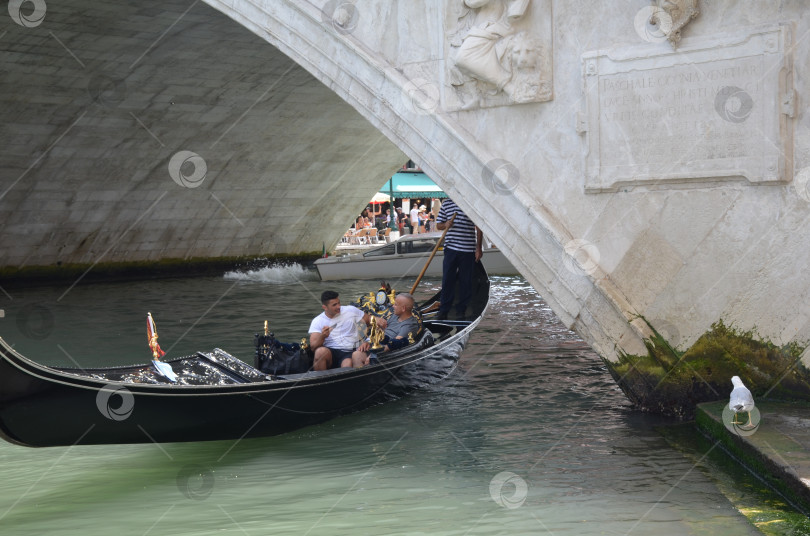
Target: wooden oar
pixel 433 253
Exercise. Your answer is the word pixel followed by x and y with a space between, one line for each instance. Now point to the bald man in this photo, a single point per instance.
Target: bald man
pixel 400 324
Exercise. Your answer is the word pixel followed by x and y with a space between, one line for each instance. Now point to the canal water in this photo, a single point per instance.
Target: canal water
pixel 529 435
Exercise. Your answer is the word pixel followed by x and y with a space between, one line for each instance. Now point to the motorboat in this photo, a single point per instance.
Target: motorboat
pixel 213 395
pixel 404 257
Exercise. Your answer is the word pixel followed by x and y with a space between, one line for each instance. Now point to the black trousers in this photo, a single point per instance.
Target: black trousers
pixel 457 268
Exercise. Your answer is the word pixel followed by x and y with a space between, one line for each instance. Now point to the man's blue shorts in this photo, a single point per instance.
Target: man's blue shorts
pixel 339 355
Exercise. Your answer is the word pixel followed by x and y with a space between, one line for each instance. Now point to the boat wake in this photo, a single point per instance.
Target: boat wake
pixel 277 274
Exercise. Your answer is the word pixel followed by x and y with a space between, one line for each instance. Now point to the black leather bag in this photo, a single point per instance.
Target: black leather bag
pixel 277 358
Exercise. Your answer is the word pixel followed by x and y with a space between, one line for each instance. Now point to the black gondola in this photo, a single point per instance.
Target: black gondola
pixel 218 396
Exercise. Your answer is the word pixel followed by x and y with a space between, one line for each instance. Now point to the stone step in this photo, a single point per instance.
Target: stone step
pixel 775 447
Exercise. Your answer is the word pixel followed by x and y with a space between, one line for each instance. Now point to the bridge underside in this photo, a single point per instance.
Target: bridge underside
pixel 141 133
pixel 663 217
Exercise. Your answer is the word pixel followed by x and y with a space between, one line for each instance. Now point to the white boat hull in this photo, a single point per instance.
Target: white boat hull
pixel 365 266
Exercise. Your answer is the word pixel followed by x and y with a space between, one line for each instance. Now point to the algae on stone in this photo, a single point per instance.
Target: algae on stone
pixel 673 382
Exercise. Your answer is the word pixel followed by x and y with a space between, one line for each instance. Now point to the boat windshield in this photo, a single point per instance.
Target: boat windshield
pixel 417 246
pixel 376 252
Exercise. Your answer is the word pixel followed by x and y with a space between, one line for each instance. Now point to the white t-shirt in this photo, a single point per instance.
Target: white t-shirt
pixel 415 216
pixel 348 328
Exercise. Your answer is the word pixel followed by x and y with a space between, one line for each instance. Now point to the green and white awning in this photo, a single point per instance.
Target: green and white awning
pixel 409 185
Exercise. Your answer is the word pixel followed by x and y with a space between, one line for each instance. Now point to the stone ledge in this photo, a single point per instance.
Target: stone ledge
pixel 778 452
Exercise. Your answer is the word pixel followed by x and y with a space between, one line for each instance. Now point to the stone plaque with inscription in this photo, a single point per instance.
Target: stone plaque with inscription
pixel 716 109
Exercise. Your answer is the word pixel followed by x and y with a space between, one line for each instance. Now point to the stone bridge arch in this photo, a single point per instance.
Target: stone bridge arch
pixel 485 183
pixel 634 226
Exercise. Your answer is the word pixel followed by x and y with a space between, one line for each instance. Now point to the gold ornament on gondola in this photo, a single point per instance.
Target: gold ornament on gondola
pixel 265 328
pixel 153 344
pixel 151 333
pixel 410 338
pixel 376 334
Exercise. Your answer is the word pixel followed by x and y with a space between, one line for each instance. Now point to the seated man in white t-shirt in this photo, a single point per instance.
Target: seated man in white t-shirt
pixel 336 332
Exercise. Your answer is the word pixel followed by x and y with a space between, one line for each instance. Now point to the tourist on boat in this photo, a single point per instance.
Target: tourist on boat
pixel 334 334
pixel 430 222
pixel 401 220
pixel 415 219
pixel 374 213
pixel 400 324
pixel 423 216
pixel 462 249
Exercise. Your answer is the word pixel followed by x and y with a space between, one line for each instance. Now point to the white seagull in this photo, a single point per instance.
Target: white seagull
pixel 740 400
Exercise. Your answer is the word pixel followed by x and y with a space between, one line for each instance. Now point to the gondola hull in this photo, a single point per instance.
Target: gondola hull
pixel 42 407
pixel 46 406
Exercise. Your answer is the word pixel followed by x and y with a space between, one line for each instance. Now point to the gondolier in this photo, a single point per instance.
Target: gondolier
pixel 462 249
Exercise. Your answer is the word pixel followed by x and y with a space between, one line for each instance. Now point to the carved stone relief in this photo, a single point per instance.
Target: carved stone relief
pixel 498 52
pixel 680 13
pixel 667 18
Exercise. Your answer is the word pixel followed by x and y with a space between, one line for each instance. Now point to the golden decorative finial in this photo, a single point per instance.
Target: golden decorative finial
pixel 151 332
pixel 367 302
pixel 265 328
pixel 154 345
pixel 376 334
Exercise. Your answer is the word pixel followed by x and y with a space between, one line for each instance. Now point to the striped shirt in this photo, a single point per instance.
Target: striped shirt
pixel 461 236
